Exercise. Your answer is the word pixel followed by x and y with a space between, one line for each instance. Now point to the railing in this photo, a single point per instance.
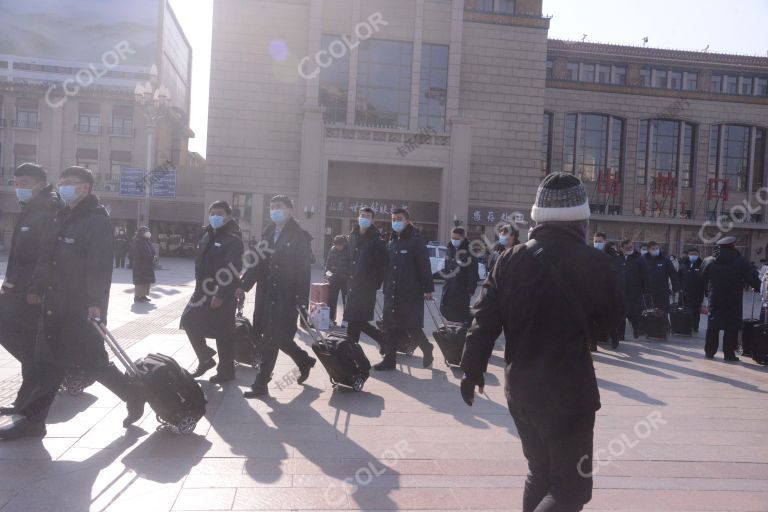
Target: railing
pixel 122 131
pixel 27 124
pixel 387 135
pixel 88 129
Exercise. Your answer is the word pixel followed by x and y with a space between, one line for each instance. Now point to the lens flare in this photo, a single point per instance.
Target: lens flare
pixel 278 49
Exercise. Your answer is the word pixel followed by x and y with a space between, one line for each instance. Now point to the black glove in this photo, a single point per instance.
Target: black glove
pixel 468 388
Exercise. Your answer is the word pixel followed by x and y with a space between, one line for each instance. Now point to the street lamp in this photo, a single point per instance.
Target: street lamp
pixel 153 100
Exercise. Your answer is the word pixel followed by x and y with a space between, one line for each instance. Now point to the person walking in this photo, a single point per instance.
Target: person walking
pixel 211 310
pixel 692 286
pixel 549 313
pixel 282 282
pixel 122 248
pixel 144 258
pixel 337 273
pixel 601 243
pixel 78 264
pixel 24 285
pixel 407 285
pixel 635 272
pixel 461 276
pixel 661 274
pixel 509 236
pixel 368 266
pixel 724 275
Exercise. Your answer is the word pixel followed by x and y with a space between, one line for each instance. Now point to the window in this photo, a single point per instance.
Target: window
pixel 546 144
pixel 731 85
pixel 24 153
pixel 618 75
pixel 122 120
pixel 603 74
pixel 334 88
pixel 480 5
pixel 433 90
pixel 714 147
pixel 761 86
pixel 658 151
pixel 89 158
pixel 118 160
pixel 746 86
pixel 716 83
pixel 572 71
pixel 593 145
pixel 242 210
pixel 506 6
pixel 691 81
pixel 27 117
pixel 758 174
pixel 660 78
pixel 587 73
pixel 730 151
pixel 89 118
pixel 550 70
pixel 384 83
pixel 675 80
pixel 645 77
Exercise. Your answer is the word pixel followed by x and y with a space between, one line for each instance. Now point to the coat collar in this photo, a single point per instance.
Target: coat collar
pixel 46 198
pixel 230 228
pixel 290 226
pixel 89 203
pixel 559 231
pixel 407 233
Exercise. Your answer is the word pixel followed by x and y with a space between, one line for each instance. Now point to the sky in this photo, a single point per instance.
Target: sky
pixel 738 26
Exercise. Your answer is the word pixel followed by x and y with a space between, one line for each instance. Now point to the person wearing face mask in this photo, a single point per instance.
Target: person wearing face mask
pixel 368 266
pixel 601 243
pixel 461 276
pixel 337 273
pixel 144 257
pixel 282 283
pixel 643 250
pixel 661 274
pixel 509 236
pixel 24 284
pixel 408 283
pixel 211 310
pixel 635 273
pixel 122 247
pixel 692 285
pixel 78 263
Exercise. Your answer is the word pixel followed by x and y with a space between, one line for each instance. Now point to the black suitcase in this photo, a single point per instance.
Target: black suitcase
pixel 450 337
pixel 682 321
pixel 759 345
pixel 177 398
pixel 344 361
pixel 748 331
pixel 654 322
pixel 246 349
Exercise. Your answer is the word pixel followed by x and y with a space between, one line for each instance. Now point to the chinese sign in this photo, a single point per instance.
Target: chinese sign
pixel 132 182
pixel 349 207
pixel 163 183
pixel 493 216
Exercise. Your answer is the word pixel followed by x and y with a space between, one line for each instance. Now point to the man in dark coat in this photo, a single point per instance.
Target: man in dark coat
pixel 661 273
pixel 408 283
pixel 692 285
pixel 461 276
pixel 211 310
pixel 122 246
pixel 78 264
pixel 143 258
pixel 601 243
pixel 635 272
pixel 369 264
pixel 548 314
pixel 24 285
pixel 509 236
pixel 282 284
pixel 725 276
pixel 337 268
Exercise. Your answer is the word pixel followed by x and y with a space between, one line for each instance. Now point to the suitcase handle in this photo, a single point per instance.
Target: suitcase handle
pixel 430 304
pixel 240 307
pixel 315 333
pixel 645 302
pixel 378 308
pixel 130 367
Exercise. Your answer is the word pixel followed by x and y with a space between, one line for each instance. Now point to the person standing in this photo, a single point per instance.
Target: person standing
pixel 661 273
pixel 24 285
pixel 407 285
pixel 369 264
pixel 692 286
pixel 144 258
pixel 549 313
pixel 509 236
pixel 211 310
pixel 122 247
pixel 635 273
pixel 461 276
pixel 78 264
pixel 337 273
pixel 724 276
pixel 601 243
pixel 282 284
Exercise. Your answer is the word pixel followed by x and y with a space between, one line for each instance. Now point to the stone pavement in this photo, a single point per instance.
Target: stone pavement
pixel 676 433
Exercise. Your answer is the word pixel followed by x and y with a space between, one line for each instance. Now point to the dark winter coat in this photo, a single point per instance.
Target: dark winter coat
pixel 122 245
pixel 218 263
pixel 282 282
pixel 496 253
pixel 549 366
pixel 338 263
pixel 409 277
pixel 461 276
pixel 143 259
pixel 636 282
pixel 369 265
pixel 79 262
pixel 724 277
pixel 692 282
pixel 660 273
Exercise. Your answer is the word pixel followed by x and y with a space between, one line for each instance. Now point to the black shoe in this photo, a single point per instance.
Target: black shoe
pixel 427 359
pixel 731 359
pixel 203 367
pixel 709 356
pixel 257 391
pixel 135 411
pixel 221 378
pixel 19 426
pixel 8 410
pixel 304 370
pixel 146 299
pixel 388 364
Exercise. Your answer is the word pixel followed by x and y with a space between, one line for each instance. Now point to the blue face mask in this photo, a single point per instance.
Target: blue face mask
pixel 693 258
pixel 398 225
pixel 504 240
pixel 655 253
pixel 217 221
pixel 643 251
pixel 456 243
pixel 277 216
pixel 600 246
pixel 364 222
pixel 24 195
pixel 68 193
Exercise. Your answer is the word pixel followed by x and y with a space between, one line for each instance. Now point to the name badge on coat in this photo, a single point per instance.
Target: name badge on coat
pixel 217 244
pixel 24 229
pixel 69 240
pixel 404 251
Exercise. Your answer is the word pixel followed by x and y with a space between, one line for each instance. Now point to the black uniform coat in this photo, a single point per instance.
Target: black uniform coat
pixel 143 259
pixel 660 273
pixel 122 245
pixel 636 281
pixel 369 265
pixel 692 282
pixel 725 276
pixel 218 263
pixel 549 367
pixel 496 253
pixel 282 282
pixel 461 276
pixel 79 262
pixel 409 277
pixel 338 263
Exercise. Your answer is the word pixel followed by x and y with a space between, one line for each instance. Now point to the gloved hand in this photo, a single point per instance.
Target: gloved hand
pixel 468 388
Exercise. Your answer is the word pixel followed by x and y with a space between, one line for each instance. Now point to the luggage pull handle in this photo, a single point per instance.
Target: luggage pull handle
pixel 240 307
pixel 314 333
pixel 114 346
pixel 432 303
pixel 649 300
pixel 378 308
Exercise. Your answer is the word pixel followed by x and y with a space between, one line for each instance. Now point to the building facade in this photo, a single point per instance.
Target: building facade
pixel 457 109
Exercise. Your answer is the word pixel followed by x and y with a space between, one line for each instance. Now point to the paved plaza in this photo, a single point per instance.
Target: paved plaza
pixel 676 433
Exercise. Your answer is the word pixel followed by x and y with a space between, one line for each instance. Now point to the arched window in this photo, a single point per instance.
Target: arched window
pixel 593 146
pixel 666 147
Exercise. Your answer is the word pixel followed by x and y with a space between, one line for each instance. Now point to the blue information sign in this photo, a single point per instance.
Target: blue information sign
pixel 132 182
pixel 164 183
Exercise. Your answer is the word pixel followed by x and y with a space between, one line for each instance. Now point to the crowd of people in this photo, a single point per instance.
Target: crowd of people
pixel 60 273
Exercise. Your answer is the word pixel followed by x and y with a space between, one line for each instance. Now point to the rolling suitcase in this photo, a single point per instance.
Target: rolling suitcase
pixel 748 331
pixel 759 345
pixel 681 319
pixel 450 337
pixel 246 351
pixel 345 362
pixel 654 322
pixel 177 398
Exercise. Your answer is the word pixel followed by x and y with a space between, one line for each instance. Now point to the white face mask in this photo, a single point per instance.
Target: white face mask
pixel 147 235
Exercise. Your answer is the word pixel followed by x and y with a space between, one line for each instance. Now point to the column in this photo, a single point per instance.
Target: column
pixel 454 59
pixel 418 36
pixel 454 197
pixel 313 46
pixel 353 63
pixel 312 175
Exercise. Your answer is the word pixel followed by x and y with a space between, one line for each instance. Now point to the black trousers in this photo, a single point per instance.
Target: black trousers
pixel 354 328
pixel 269 353
pixel 730 342
pixel 634 310
pixel 119 260
pixel 416 335
pixel 337 286
pixel 695 312
pixel 18 331
pixel 559 453
pixel 225 345
pixel 199 321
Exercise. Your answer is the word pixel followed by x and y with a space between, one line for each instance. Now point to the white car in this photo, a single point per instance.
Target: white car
pixel 437 255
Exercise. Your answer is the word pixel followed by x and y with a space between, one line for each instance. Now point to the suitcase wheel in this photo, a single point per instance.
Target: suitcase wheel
pixel 358 384
pixel 187 425
pixel 74 387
